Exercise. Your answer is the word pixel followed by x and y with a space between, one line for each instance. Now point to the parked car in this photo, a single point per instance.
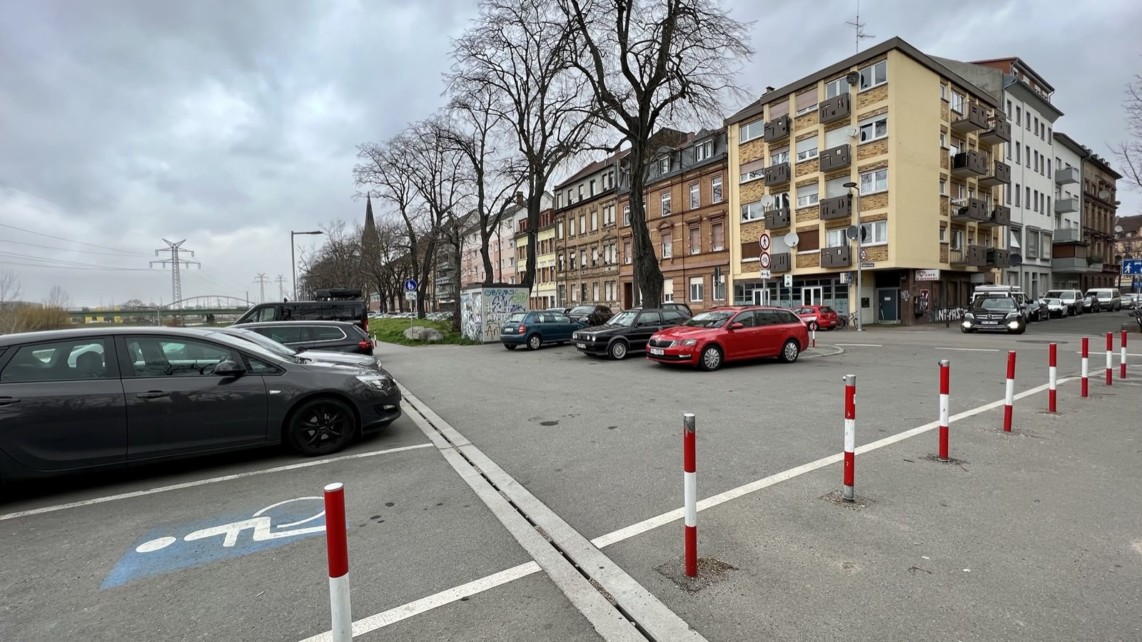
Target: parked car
pixel 679 306
pixel 590 315
pixel 1037 310
pixel 1072 299
pixel 1132 301
pixel 994 314
pixel 332 336
pixel 92 398
pixel 626 332
pixel 333 304
pixel 1055 307
pixel 308 356
pixel 1109 299
pixel 536 328
pixel 1090 303
pixel 731 333
pixel 819 316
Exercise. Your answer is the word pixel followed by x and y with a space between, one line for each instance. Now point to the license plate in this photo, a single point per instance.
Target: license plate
pixel 509 330
pixel 658 352
pixel 991 323
pixel 581 345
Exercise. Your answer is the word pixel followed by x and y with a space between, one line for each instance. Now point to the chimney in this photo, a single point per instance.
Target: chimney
pixel 768 89
pixel 519 199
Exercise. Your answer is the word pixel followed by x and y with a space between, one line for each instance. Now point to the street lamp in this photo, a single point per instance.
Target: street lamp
pixel 293 260
pixel 856 208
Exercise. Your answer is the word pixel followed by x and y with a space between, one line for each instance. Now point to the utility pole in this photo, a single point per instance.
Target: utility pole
pixel 280 280
pixel 176 263
pixel 261 280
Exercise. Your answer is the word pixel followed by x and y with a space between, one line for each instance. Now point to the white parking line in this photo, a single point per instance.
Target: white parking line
pixel 968 349
pixel 1102 351
pixel 405 611
pixel 203 482
pixel 859 345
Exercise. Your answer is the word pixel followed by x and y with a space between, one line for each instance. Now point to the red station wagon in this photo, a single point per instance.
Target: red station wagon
pixel 731 333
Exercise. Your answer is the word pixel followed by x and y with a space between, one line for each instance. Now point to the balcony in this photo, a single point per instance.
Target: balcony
pixel 836 257
pixel 973 120
pixel 782 262
pixel 777 129
pixel 974 255
pixel 1000 132
pixel 1067 175
pixel 777 174
pixel 1000 216
pixel 1067 236
pixel 1066 205
pixel 835 158
pixel 969 164
pixel 1000 175
pixel 998 258
pixel 836 208
pixel 777 219
pixel 974 209
pixel 1069 264
pixel 835 108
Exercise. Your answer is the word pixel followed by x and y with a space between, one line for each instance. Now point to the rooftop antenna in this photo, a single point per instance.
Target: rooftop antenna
pixel 858 26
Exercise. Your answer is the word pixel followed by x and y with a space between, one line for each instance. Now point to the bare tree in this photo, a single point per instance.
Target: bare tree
pixel 519 54
pixel 651 63
pixel 382 261
pixel 9 287
pixel 57 298
pixel 336 264
pixel 1130 151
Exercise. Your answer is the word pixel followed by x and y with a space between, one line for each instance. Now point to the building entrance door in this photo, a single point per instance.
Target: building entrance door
pixel 812 295
pixel 761 297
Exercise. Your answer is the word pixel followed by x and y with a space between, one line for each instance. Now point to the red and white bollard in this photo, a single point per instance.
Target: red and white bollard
pixel 813 336
pixel 945 390
pixel 1086 368
pixel 337 547
pixel 850 438
pixel 690 493
pixel 1009 396
pixel 1110 358
pixel 1052 374
pixel 1122 359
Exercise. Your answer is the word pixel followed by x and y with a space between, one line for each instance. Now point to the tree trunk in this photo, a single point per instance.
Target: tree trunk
pixel 647 275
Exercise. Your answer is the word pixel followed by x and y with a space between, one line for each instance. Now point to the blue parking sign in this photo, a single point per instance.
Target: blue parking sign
pixel 1132 266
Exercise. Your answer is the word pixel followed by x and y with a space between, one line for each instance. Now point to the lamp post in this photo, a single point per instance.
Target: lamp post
pixel 856 208
pixel 293 260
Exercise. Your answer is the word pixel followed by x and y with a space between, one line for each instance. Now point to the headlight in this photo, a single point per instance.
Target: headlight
pixel 376 381
pixel 689 342
pixel 1012 315
pixel 969 315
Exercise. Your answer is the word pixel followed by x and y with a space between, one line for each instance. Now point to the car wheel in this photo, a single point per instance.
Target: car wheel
pixel 509 346
pixel 618 350
pixel 319 427
pixel 790 351
pixel 966 330
pixel 710 359
pixel 534 342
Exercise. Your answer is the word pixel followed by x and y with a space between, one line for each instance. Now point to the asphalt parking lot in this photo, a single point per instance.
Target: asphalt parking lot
pixel 1031 535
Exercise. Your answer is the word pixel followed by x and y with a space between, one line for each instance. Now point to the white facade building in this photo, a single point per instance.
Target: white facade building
pixel 1071 253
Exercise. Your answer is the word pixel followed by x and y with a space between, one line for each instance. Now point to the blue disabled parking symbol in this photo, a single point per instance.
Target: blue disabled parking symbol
pixel 167 549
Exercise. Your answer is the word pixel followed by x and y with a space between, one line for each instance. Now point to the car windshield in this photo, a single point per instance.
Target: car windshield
pixel 713 319
pixel 517 317
pixel 995 304
pixel 583 309
pixel 826 309
pixel 625 319
pixel 1053 294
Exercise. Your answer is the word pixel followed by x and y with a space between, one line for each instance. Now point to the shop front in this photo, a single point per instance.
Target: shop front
pixel 830 290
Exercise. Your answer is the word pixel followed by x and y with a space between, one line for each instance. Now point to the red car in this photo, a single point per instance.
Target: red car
pixel 824 316
pixel 731 333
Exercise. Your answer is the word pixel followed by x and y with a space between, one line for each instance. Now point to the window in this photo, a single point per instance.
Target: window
pixel 695 196
pixel 595 221
pixel 1032 246
pixel 1036 160
pixel 326 333
pixel 594 256
pixel 626 215
pixel 1017 192
pixel 1017 156
pixel 808 195
pixel 572 232
pixel 1018 115
pixel 667 245
pixel 943 187
pixel 704 151
pixel 58 361
pixel 752 171
pixel 592 192
pixel 697 284
pixel 595 292
pixel 559 230
pixel 1009 110
pixel 943 233
pixel 810 241
pixel 626 252
pixel 874 233
pixel 664 165
pixel 943 140
pixel 836 238
pixel 807 149
pixel 609 215
pixel 752 212
pixel 1046 244
pixel 780 201
pixel 779 155
pixel 836 87
pixel 582 223
pixel 957 102
pixel 1049 174
pixel 874 129
pixel 752 130
pixel 559 200
pixel 1037 126
pixel 874 181
pixel 716 189
pixel 717 236
pixel 957 239
pixel 162 357
pixel 807 102
pixel 667 290
pixel 874 75
pixel 1007 193
pixel 1008 146
pixel 943 91
pixel 1026 197
pixel 583 258
pixel 695 240
pixel 665 203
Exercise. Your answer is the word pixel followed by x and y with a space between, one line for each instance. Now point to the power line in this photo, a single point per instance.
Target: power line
pixel 78 269
pixel 60 238
pixel 62 249
pixel 49 261
pixel 176 264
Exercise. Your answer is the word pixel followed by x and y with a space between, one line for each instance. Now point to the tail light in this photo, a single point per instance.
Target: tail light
pixel 365 345
pixel 522 329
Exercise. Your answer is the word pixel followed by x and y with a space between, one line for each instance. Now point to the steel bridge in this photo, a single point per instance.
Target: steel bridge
pixel 205 308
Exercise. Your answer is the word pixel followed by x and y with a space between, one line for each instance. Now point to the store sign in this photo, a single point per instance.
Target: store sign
pixel 927 275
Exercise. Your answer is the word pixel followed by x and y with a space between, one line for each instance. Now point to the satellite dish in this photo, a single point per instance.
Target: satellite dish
pixel 791 239
pixel 767 201
pixel 853 78
pixel 1015 260
pixel 851 232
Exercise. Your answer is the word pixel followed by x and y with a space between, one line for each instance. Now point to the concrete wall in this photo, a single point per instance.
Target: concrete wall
pixel 484 310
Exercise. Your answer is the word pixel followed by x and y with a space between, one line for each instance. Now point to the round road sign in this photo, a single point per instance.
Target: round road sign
pixel 764 242
pixel 764 259
pixel 864 255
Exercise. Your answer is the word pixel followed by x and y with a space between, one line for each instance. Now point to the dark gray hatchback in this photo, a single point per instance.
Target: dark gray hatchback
pixel 77 400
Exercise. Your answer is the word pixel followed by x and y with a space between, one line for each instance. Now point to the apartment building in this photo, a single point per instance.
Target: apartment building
pixel 543 292
pixel 1128 245
pixel 685 203
pixel 895 138
pixel 1069 257
pixel 1025 98
pixel 586 243
pixel 1100 209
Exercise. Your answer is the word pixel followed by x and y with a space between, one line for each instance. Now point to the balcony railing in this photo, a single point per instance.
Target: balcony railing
pixel 971 255
pixel 1066 205
pixel 1067 175
pixel 838 207
pixel 1067 235
pixel 781 262
pixel 777 174
pixel 836 257
pixel 835 158
pixel 1000 132
pixel 777 129
pixel 777 219
pixel 1000 175
pixel 835 108
pixel 973 119
pixel 998 258
pixel 968 164
pixel 974 209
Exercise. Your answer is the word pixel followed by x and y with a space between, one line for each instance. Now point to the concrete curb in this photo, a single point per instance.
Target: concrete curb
pixel 815 353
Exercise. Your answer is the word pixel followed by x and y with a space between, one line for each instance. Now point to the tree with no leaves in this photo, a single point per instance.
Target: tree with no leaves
pixel 9 287
pixel 650 63
pixel 519 54
pixel 1130 152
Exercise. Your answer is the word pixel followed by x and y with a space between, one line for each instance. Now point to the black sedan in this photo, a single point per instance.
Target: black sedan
pixel 77 400
pixel 591 315
pixel 334 336
pixel 625 332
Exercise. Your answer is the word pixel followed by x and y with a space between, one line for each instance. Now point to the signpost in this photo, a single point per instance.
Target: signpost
pixel 410 285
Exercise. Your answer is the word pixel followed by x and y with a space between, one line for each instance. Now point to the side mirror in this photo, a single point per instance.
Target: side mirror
pixel 736 326
pixel 229 368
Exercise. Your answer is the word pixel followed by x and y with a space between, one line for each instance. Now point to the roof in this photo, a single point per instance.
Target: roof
pixel 1016 61
pixel 102 331
pixel 593 167
pixel 896 43
pixel 1130 224
pixel 1072 144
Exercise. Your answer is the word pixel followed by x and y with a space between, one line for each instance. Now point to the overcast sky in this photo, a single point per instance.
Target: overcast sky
pixel 228 124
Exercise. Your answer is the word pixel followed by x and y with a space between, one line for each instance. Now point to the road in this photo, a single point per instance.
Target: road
pixel 469 515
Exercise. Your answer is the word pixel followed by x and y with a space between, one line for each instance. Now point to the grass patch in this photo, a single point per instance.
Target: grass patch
pixel 392 331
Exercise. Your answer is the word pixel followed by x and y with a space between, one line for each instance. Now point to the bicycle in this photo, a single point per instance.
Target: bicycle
pixel 843 321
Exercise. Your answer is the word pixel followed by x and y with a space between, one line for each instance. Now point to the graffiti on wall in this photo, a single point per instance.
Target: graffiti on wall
pixel 483 311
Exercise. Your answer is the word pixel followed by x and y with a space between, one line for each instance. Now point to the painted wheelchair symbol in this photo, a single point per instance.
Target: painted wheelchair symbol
pixel 262 527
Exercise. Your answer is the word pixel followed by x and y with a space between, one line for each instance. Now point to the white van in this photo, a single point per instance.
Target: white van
pixel 1108 298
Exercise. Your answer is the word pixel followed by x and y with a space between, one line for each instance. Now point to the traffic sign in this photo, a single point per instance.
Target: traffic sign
pixel 788 280
pixel 410 295
pixel 765 274
pixel 410 285
pixel 764 260
pixel 863 254
pixel 1132 266
pixel 763 241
